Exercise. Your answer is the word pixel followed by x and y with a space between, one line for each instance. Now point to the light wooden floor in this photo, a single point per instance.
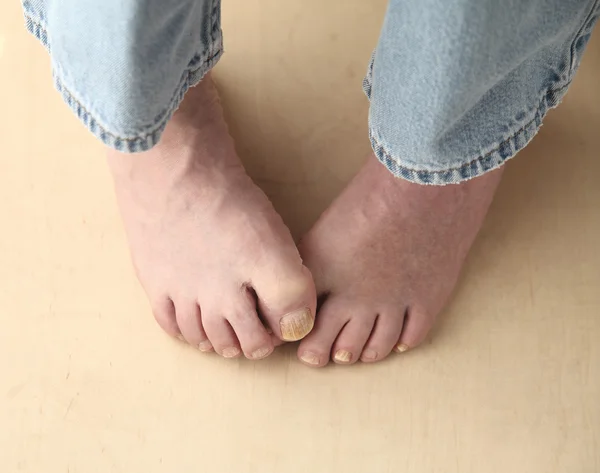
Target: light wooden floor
pixel 510 381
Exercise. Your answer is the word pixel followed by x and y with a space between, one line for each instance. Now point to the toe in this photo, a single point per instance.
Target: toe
pixel 352 338
pixel 221 335
pixel 254 340
pixel 417 325
pixel 164 313
pixel 315 349
pixel 287 301
pixel 189 321
pixel 384 336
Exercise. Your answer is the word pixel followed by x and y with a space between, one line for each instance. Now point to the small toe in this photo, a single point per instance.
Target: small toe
pixel 287 301
pixel 315 349
pixel 352 338
pixel 221 335
pixel 189 321
pixel 384 336
pixel 163 310
pixel 417 325
pixel 254 340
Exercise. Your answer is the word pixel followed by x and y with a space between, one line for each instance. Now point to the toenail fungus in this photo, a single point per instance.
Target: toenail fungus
pixel 296 325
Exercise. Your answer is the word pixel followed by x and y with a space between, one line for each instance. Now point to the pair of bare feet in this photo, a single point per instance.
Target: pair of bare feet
pixel 223 273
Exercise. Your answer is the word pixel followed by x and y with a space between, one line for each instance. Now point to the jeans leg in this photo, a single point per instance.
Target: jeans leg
pixel 124 66
pixel 457 87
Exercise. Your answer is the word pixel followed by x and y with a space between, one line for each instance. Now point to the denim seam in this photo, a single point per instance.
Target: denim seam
pixel 478 166
pixel 142 142
pixel 584 26
pixel 215 23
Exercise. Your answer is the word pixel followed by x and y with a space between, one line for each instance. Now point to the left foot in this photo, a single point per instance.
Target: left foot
pixel 385 258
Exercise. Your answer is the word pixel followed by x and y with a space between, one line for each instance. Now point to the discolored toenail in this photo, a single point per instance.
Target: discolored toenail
pixel 369 355
pixel 310 358
pixel 401 348
pixel 230 352
pixel 205 346
pixel 342 356
pixel 296 325
pixel 260 353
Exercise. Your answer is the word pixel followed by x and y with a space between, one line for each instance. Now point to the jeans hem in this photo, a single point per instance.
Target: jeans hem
pixel 197 68
pixel 485 162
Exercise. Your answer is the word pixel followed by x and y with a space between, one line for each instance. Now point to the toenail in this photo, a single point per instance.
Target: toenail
pixel 205 346
pixel 342 356
pixel 296 325
pixel 310 358
pixel 369 355
pixel 230 352
pixel 260 353
pixel 401 348
pixel 180 337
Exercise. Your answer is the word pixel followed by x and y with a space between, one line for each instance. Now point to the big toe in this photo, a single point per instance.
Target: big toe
pixel 287 300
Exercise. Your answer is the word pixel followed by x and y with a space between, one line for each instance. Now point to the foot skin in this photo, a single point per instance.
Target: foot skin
pixel 385 257
pixel 219 266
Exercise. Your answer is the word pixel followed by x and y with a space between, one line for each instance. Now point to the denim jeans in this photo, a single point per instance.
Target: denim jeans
pixel 456 87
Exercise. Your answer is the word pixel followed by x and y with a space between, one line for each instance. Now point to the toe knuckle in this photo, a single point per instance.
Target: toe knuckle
pixel 239 316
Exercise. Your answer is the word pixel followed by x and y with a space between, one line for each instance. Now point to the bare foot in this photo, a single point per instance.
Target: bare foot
pixel 385 257
pixel 215 259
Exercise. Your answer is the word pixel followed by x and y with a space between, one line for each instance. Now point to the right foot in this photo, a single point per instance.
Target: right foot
pixel 219 266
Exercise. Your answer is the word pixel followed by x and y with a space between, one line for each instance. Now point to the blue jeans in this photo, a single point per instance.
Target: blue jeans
pixel 457 87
